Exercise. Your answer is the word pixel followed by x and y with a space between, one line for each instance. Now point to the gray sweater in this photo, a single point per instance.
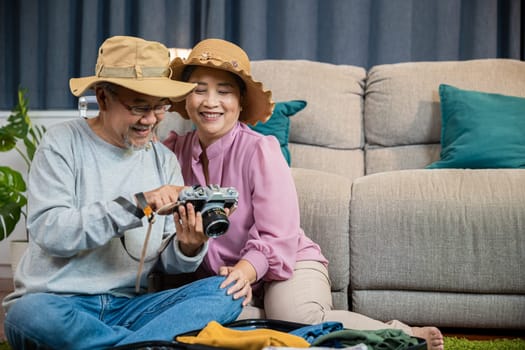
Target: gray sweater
pixel 75 226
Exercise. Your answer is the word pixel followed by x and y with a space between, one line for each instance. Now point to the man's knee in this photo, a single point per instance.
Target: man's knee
pixel 26 307
pixel 27 319
pixel 38 312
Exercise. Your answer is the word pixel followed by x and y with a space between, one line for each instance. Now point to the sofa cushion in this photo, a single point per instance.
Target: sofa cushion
pixel 334 94
pixel 402 100
pixel 481 130
pixel 402 105
pixel 328 136
pixel 381 159
pixel 324 203
pixel 345 162
pixel 279 123
pixel 437 246
pixel 446 230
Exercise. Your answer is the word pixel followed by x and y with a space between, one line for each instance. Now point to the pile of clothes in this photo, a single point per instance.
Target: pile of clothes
pixel 327 335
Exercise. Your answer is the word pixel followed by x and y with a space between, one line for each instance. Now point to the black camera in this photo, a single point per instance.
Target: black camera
pixel 210 201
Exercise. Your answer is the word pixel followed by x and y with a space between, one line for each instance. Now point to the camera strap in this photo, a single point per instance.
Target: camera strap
pixel 141 210
pixel 151 221
pixel 151 215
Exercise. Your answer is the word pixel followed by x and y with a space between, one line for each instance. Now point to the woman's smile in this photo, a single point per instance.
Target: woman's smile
pixel 210 116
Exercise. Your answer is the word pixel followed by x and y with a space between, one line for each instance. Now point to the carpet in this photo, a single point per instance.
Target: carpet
pixel 451 343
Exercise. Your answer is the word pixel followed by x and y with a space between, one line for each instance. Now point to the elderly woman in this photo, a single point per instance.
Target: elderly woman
pixel 265 246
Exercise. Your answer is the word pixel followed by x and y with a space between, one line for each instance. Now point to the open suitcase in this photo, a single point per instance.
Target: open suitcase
pixel 248 324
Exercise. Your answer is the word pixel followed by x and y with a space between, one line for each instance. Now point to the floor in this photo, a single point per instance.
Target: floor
pixel 6 287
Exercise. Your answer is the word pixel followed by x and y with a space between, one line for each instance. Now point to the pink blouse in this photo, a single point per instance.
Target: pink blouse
pixel 265 228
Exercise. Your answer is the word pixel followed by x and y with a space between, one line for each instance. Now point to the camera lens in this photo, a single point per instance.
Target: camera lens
pixel 215 222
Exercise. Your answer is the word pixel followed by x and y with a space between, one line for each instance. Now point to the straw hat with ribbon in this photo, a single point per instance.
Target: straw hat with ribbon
pixel 257 104
pixel 136 64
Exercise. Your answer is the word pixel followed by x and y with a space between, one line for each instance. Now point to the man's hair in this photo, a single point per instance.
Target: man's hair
pixel 112 88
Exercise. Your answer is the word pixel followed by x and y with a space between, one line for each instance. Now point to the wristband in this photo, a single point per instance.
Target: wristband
pixel 130 207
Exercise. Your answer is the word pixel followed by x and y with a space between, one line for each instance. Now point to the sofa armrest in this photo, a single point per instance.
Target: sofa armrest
pixel 324 201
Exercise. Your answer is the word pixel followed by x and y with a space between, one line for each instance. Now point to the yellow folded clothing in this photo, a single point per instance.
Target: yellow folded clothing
pixel 254 339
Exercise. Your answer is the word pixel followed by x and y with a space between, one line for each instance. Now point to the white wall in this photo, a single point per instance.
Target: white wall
pixel 13 160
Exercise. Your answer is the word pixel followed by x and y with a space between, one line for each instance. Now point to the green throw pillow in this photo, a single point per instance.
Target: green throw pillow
pixel 480 130
pixel 279 125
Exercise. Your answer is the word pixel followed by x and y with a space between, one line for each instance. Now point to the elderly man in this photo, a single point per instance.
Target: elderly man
pixel 94 187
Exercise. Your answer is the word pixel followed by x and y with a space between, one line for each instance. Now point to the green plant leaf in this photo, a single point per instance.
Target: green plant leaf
pixel 12 185
pixel 19 122
pixel 31 143
pixel 12 199
pixel 7 140
pixel 9 216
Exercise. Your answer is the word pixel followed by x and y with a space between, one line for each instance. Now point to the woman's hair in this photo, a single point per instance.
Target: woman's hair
pixel 188 70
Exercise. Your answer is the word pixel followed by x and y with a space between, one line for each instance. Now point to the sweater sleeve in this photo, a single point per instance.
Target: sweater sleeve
pixel 174 261
pixel 58 220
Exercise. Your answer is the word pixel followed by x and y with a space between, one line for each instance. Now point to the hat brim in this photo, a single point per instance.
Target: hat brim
pixel 156 86
pixel 257 105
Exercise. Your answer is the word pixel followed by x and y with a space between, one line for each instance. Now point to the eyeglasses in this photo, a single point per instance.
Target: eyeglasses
pixel 141 111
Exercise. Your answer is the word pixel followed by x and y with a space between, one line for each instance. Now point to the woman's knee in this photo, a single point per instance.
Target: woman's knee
pixel 304 298
pixel 308 313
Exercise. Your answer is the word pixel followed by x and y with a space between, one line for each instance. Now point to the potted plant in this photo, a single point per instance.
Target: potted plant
pixel 18 130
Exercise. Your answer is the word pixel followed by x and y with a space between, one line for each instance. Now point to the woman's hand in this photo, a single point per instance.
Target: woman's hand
pixel 190 233
pixel 239 278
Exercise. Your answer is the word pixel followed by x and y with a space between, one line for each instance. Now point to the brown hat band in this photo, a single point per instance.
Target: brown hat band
pixel 205 56
pixel 133 72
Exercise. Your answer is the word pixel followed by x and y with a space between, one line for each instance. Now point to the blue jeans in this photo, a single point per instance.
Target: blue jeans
pixel 51 321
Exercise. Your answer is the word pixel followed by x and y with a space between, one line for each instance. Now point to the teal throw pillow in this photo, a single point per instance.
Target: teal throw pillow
pixel 279 123
pixel 480 130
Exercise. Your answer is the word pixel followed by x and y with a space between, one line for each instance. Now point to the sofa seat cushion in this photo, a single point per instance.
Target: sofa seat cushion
pixel 443 230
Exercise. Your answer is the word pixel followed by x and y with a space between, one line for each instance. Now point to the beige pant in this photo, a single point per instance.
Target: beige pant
pixel 306 298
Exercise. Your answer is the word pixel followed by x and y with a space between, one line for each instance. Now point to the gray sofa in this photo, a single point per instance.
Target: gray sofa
pixel 442 247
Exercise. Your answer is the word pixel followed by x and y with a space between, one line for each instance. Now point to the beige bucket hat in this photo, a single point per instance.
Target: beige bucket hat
pixel 136 64
pixel 257 104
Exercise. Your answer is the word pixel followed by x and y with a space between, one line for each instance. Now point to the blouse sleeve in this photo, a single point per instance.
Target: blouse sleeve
pixel 274 237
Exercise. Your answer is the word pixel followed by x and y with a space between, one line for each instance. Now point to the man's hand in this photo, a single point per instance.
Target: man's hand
pixel 162 196
pixel 190 233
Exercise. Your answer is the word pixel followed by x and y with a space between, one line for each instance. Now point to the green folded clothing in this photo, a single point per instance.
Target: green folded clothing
pixel 382 339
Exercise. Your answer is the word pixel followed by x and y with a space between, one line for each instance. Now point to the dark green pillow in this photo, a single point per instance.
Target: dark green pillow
pixel 480 130
pixel 279 123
